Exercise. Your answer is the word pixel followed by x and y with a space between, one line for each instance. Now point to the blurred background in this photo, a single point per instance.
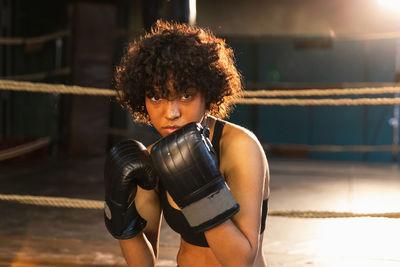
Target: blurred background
pixel 334 169
pixel 278 45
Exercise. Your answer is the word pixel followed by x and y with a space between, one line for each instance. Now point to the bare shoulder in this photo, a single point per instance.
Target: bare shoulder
pixel 244 164
pixel 239 140
pixel 243 160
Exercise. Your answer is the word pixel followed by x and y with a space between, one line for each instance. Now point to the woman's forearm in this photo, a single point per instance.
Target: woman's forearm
pixel 230 246
pixel 138 251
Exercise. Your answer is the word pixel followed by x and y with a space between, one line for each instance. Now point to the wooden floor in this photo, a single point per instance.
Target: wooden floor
pixel 33 235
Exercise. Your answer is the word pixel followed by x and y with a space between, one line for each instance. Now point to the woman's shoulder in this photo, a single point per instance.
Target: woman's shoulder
pixel 243 160
pixel 235 135
pixel 240 146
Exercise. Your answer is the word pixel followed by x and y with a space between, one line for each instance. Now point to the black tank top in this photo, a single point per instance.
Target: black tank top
pixel 175 218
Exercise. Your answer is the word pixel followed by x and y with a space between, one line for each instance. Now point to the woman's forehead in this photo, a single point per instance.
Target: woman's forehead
pixel 170 89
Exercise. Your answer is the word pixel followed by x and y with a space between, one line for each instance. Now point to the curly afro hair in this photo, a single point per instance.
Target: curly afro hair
pixel 190 56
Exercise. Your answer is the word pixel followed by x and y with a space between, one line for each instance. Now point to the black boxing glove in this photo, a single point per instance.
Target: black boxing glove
pixel 186 166
pixel 127 165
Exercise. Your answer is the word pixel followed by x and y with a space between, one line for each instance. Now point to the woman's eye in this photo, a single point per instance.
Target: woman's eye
pixel 155 98
pixel 186 96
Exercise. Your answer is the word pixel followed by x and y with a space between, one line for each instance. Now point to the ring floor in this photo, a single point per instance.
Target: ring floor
pixel 49 236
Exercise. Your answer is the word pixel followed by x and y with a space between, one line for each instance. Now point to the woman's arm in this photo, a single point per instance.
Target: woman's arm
pixel 130 210
pixel 138 251
pixel 142 250
pixel 244 166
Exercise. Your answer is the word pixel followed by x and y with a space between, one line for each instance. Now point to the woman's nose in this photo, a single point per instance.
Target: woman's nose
pixel 173 110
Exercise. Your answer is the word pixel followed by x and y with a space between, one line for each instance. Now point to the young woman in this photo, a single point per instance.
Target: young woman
pixel 182 80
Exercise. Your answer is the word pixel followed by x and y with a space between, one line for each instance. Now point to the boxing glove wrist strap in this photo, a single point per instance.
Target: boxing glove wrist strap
pixel 202 213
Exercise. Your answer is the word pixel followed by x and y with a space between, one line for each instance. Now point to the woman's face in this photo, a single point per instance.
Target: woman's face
pixel 169 114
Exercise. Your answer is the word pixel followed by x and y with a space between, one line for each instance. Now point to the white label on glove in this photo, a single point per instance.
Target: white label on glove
pixel 107 211
pixel 209 207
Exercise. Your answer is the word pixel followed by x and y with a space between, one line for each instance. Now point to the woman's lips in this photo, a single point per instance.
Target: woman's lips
pixel 170 129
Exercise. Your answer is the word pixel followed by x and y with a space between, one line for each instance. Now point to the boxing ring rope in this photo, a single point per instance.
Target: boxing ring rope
pixel 334 148
pixel 53 88
pixel 319 102
pixel 323 92
pixel 43 142
pixel 64 202
pixel 79 90
pixel 24 149
pixel 60 202
pixel 248 98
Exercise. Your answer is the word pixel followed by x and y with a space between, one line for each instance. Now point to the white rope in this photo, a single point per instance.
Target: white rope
pixel 79 90
pixel 53 88
pixel 333 148
pixel 319 102
pixel 61 202
pixel 323 92
pixel 330 214
pixel 64 202
pixel 24 149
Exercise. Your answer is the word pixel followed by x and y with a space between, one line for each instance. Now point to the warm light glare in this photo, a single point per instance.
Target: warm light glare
pixel 192 12
pixel 390 4
pixel 340 242
pixel 366 242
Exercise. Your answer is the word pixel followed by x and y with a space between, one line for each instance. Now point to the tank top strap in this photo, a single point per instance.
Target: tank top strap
pixel 218 127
